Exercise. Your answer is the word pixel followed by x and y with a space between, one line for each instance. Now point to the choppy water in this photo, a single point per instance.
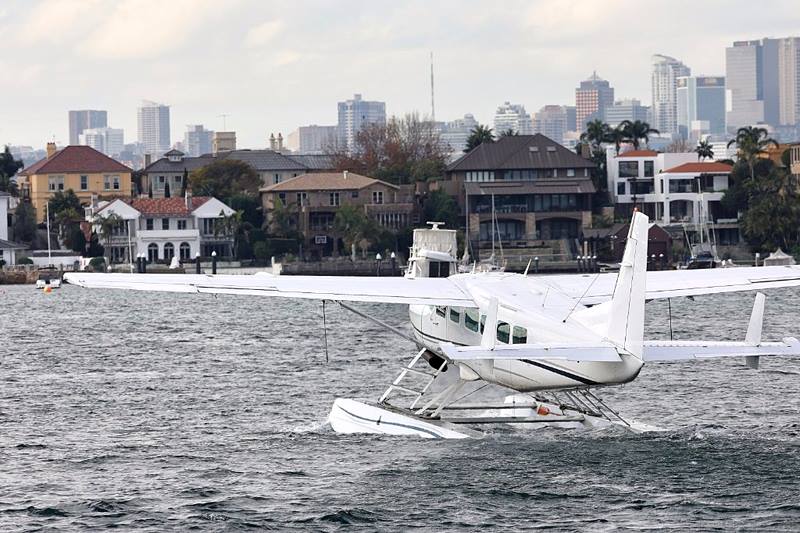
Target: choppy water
pixel 174 412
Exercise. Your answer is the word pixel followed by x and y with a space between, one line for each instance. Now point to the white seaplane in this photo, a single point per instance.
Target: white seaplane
pixel 552 340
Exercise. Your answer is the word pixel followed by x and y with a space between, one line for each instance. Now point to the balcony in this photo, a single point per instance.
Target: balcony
pixel 167 234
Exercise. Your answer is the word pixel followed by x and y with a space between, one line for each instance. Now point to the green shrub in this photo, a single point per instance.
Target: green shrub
pixel 24 261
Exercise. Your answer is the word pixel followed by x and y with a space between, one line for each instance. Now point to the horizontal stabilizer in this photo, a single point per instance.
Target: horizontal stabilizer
pixel 596 352
pixel 685 350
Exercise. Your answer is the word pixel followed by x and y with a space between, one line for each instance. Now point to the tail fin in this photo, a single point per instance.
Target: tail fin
pixel 626 323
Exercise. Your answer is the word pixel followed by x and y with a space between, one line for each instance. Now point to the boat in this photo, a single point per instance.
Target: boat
pixel 49 277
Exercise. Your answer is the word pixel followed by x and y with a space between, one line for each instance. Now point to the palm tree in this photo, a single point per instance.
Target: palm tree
pixel 637 131
pixel 596 133
pixel 480 134
pixel 106 226
pixel 8 185
pixel 704 150
pixel 751 142
pixel 616 136
pixel 509 133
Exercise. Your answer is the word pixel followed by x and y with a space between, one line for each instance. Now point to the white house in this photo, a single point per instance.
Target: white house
pixel 162 228
pixel 8 249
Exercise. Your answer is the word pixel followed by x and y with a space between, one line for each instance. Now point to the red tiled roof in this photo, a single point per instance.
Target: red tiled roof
pixel 166 206
pixel 639 153
pixel 75 159
pixel 701 166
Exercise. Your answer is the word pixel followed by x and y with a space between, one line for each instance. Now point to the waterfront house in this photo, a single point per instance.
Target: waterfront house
pixel 83 169
pixel 162 228
pixel 8 249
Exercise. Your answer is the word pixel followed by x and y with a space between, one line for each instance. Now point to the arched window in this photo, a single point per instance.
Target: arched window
pixel 186 251
pixel 152 252
pixel 169 251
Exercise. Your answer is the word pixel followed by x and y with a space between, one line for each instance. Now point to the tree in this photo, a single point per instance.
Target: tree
pixel 25 222
pixel 353 226
pixel 751 142
pixel 441 207
pixel 8 168
pixel 596 133
pixel 617 137
pixel 106 225
pixel 229 225
pixel 509 133
pixel 225 178
pixel 404 150
pixel 480 134
pixel 282 221
pixel 678 146
pixel 637 131
pixel 704 150
pixel 64 201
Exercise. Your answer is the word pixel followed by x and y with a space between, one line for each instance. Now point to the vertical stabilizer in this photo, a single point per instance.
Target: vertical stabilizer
pixel 626 324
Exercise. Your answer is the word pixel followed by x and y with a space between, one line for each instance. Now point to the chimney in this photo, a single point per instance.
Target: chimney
pixel 344 173
pixel 280 142
pixel 51 150
pixel 188 199
pixel 147 160
pixel 272 141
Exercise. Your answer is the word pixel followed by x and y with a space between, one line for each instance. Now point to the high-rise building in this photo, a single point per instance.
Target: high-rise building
pixel 572 118
pixel 626 109
pixel 551 121
pixel 355 114
pixel 455 133
pixel 701 98
pixel 666 71
pixel 153 126
pixel 85 119
pixel 788 59
pixel 591 98
pixel 197 140
pixel 512 117
pixel 311 139
pixel 109 141
pixel 744 84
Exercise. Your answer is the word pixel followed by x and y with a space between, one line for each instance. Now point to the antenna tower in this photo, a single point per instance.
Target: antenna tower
pixel 433 106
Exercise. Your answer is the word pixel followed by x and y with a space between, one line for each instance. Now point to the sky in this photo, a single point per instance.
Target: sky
pixel 274 66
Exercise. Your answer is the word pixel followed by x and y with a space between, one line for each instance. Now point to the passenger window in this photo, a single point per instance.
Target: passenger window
pixel 441 311
pixel 471 319
pixel 455 315
pixel 520 335
pixel 483 323
pixel 503 332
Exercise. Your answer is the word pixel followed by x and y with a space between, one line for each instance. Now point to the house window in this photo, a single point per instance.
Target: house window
pixel 152 252
pixel 169 251
pixel 354 194
pixel 648 169
pixel 570 172
pixel 148 223
pixel 55 183
pixel 302 198
pixel 185 250
pixel 377 197
pixel 164 223
pixel 628 169
pixel 276 178
pixel 282 197
pixel 111 183
pixel 181 224
pixel 334 199
pixel 621 188
pixel 84 183
pixel 208 226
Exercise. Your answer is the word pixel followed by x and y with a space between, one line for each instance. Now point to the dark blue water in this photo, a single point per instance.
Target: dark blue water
pixel 162 412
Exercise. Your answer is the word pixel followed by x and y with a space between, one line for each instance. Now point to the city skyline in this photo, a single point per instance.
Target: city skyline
pixel 266 74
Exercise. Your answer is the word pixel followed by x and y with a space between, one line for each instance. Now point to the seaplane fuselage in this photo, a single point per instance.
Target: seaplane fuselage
pixel 520 320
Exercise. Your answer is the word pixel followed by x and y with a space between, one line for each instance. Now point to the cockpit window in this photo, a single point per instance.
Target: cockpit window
pixel 503 331
pixel 483 323
pixel 441 311
pixel 520 335
pixel 471 319
pixel 455 315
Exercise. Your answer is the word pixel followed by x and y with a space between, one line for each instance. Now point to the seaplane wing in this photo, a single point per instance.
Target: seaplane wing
pixel 598 288
pixel 423 291
pixel 583 352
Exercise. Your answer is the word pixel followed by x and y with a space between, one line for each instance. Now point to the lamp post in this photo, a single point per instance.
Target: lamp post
pixel 758 255
pixel 393 257
pixel 214 262
pixel 536 265
pixel 197 263
pixel 378 259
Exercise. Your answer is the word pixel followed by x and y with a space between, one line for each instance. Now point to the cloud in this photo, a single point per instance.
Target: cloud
pixel 54 21
pixel 138 29
pixel 263 33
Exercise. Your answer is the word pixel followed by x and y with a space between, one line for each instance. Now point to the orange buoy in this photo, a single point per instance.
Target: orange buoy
pixel 542 410
pixel 48 289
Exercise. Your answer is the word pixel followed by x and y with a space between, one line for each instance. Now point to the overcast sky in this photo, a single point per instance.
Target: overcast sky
pixel 272 66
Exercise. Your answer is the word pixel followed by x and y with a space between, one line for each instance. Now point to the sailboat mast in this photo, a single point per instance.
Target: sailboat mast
pixel 492 224
pixel 49 255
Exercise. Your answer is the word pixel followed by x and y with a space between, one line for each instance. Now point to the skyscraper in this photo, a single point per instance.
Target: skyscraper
pixel 456 132
pixel 666 71
pixel 626 109
pixel 744 84
pixel 591 98
pixel 788 60
pixel 84 119
pixel 197 140
pixel 109 141
pixel 512 117
pixel 701 99
pixel 312 139
pixel 355 114
pixel 153 126
pixel 551 121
